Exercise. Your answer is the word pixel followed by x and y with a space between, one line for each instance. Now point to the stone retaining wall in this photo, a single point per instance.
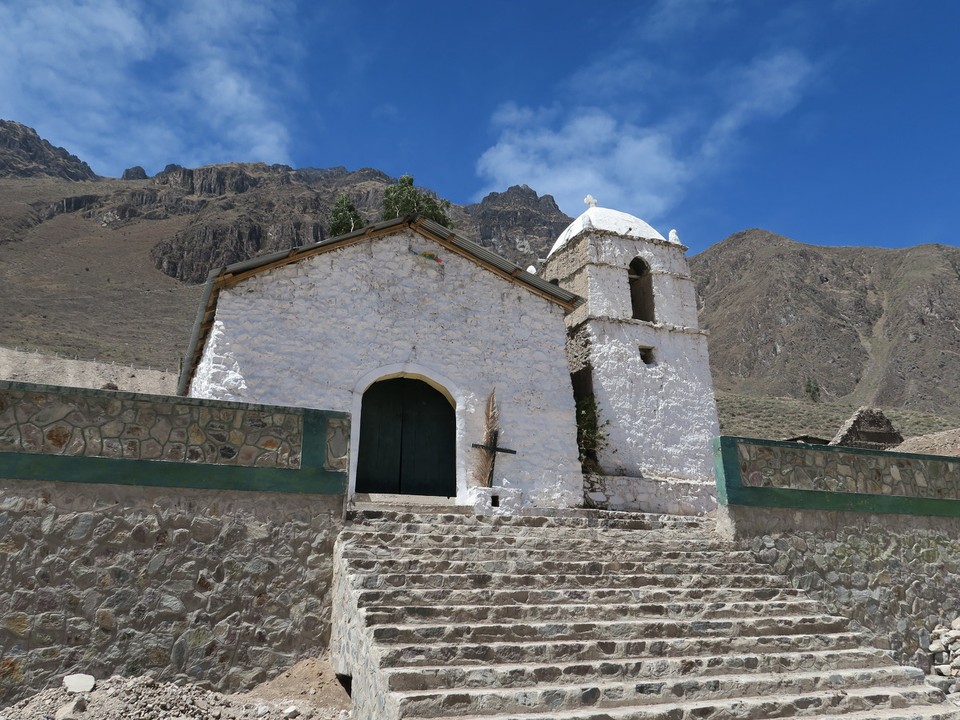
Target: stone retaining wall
pixel 897 575
pixel 221 587
pixel 874 535
pixel 191 538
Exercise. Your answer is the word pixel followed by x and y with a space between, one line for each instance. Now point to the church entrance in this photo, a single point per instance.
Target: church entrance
pixel 407 440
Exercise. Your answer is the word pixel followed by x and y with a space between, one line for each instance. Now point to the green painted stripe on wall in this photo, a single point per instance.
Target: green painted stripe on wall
pixel 731 491
pixel 118 471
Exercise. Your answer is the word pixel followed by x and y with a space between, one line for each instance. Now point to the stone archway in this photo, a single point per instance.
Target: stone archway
pixel 407 440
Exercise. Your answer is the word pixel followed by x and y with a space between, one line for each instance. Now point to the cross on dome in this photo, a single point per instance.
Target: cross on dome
pixel 590 200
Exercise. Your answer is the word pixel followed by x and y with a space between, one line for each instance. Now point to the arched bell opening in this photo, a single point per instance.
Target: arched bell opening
pixel 641 290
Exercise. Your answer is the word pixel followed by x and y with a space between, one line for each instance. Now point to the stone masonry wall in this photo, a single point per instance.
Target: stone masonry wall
pixel 70 421
pixel 639 494
pixel 833 470
pixel 897 575
pixel 874 535
pixel 222 587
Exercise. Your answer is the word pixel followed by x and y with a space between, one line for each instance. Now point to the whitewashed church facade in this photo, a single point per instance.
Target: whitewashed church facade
pixel 414 330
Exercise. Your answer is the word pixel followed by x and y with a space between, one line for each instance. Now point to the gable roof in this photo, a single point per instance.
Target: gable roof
pixel 226 277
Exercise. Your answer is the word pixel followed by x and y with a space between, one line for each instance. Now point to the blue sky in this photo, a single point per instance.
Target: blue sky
pixel 831 122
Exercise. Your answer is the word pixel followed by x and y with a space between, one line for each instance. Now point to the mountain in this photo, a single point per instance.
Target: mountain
pixel 864 325
pixel 110 269
pixel 518 224
pixel 24 154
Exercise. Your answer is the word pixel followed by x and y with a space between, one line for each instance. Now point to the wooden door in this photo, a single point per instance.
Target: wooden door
pixel 407 440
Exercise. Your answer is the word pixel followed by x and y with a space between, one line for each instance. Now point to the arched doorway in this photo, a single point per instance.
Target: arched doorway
pixel 407 440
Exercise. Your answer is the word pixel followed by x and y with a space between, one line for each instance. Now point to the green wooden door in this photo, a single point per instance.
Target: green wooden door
pixel 407 441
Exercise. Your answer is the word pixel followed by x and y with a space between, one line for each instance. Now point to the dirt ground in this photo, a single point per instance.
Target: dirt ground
pixel 310 682
pixel 48 369
pixel 308 691
pixel 941 443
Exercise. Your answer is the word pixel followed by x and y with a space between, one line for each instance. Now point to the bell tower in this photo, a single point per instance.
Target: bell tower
pixel 638 364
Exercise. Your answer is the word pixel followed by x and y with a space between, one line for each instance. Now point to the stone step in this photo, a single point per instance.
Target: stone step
pixel 871 702
pixel 546 541
pixel 697 610
pixel 635 695
pixel 549 651
pixel 418 566
pixel 592 552
pixel 572 535
pixel 502 581
pixel 940 711
pixel 609 630
pixel 562 596
pixel 518 675
pixel 581 615
pixel 595 521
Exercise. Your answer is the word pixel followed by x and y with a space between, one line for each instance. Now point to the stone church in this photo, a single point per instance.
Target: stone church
pixel 435 345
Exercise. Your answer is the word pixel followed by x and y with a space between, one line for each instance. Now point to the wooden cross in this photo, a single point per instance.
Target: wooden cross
pixel 493 449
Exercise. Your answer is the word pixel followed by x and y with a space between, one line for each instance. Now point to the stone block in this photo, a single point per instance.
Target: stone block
pixel 79 683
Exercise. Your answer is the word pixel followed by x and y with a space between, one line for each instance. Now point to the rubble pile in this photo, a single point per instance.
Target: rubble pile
pixel 144 698
pixel 945 652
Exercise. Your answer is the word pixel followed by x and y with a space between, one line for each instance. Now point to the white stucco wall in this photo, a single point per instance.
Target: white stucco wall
pixel 608 285
pixel 659 419
pixel 663 416
pixel 318 332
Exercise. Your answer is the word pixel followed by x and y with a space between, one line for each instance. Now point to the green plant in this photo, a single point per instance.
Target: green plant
pixel 344 217
pixel 404 199
pixel 812 388
pixel 591 436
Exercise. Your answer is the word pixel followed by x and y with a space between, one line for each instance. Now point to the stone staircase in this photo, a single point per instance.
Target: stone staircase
pixel 592 616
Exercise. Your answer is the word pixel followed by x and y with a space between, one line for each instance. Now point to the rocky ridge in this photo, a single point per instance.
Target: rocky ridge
pixel 23 153
pixel 78 264
pixel 235 211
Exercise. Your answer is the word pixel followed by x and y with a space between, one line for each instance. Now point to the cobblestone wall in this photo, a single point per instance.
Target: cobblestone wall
pixel 69 421
pixel 222 587
pixel 897 575
pixel 874 535
pixel 803 468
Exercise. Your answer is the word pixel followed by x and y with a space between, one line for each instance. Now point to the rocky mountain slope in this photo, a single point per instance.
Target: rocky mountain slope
pixel 109 269
pixel 106 268
pixel 864 325
pixel 24 154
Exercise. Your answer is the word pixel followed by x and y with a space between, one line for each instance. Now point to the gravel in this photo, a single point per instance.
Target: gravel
pixel 144 698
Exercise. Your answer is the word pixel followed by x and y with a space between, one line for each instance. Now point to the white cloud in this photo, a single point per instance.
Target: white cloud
pixel 671 18
pixel 621 164
pixel 614 152
pixel 768 87
pixel 124 83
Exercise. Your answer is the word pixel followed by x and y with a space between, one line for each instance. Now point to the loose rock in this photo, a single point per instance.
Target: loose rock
pixel 79 682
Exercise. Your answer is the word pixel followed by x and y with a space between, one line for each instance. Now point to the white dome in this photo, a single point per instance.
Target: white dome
pixel 606 220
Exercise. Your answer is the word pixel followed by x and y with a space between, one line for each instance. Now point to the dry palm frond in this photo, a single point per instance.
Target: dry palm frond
pixel 491 433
